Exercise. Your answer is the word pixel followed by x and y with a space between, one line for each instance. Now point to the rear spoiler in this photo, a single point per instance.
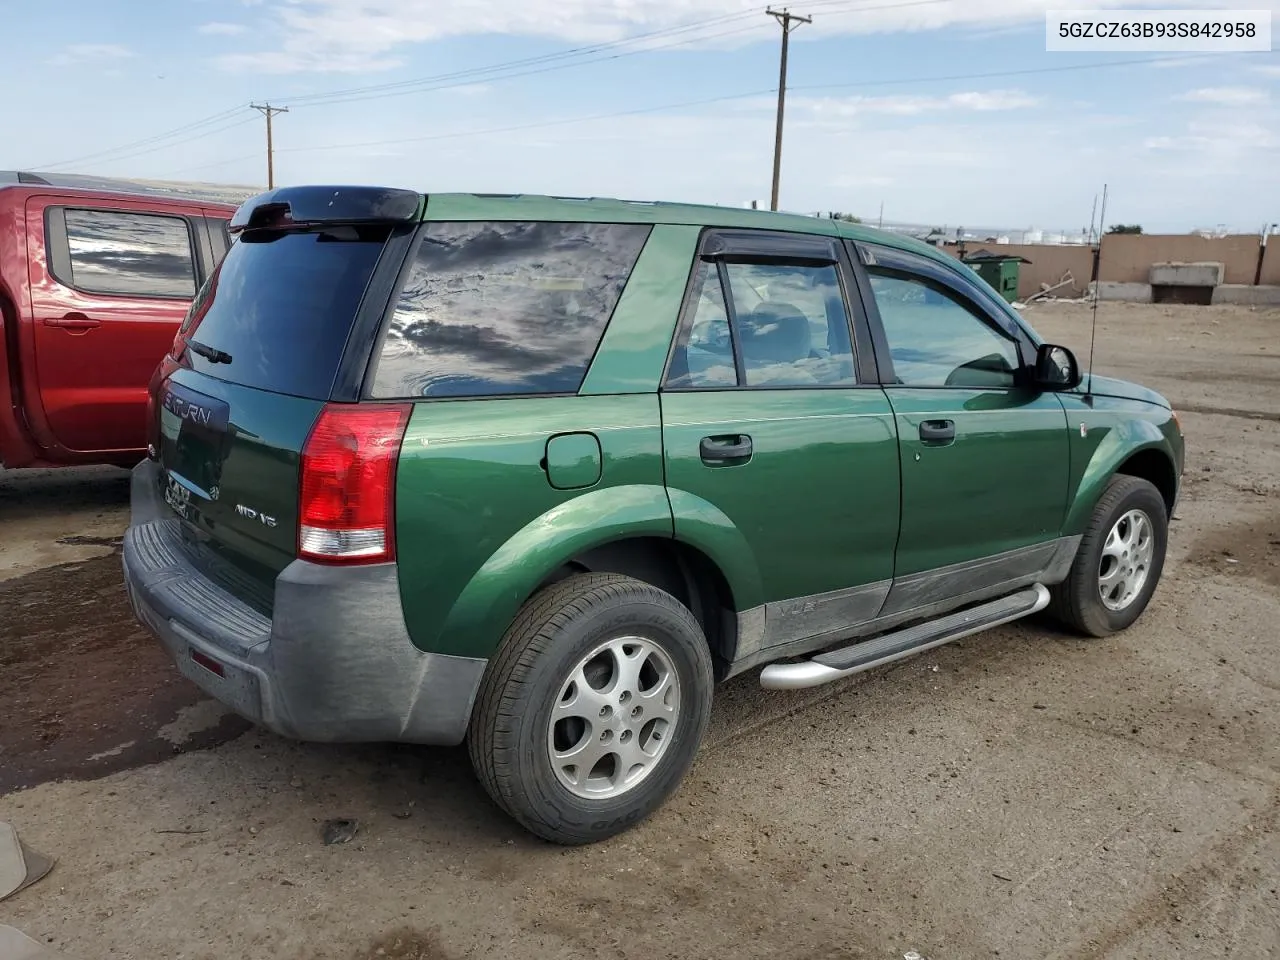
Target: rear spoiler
pixel 287 208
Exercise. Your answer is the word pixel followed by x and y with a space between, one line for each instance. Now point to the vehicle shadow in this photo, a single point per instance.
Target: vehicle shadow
pixel 35 493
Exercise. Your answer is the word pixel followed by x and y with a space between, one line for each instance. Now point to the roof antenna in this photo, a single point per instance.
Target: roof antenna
pixel 1097 264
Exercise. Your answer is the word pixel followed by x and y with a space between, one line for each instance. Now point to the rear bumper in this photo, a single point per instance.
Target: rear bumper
pixel 334 662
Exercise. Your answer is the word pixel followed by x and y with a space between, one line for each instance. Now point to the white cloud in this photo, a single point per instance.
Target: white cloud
pixel 1225 96
pixel 906 105
pixel 1177 62
pixel 853 181
pixel 1239 142
pixel 90 53
pixel 360 35
pixel 992 100
pixel 219 29
pixel 1269 70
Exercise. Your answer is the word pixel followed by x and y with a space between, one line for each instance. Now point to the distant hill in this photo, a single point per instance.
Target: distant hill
pixel 212 192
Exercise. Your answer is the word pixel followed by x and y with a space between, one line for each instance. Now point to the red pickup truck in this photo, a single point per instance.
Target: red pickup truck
pixel 94 282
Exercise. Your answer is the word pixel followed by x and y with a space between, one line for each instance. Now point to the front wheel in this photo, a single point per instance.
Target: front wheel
pixel 1119 561
pixel 593 707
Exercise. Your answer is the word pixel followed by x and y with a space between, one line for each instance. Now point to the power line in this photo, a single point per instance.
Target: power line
pixel 578 56
pixel 146 151
pixel 710 100
pixel 868 7
pixel 466 78
pixel 477 72
pixel 994 74
pixel 128 151
pixel 530 126
pixel 216 163
pixel 156 138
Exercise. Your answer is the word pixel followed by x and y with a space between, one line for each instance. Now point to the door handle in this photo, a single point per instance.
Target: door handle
pixel 937 431
pixel 725 449
pixel 75 322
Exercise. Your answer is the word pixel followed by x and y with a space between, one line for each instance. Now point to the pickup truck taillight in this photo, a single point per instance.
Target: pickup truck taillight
pixel 346 505
pixel 167 366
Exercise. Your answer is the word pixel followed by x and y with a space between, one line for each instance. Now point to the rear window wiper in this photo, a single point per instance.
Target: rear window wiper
pixel 212 354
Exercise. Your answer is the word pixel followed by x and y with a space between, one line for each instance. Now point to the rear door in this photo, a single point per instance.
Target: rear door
pixel 773 420
pixel 110 283
pixel 984 455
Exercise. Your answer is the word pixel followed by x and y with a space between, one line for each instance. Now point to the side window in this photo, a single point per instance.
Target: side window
pixel 789 324
pixel 792 325
pixel 130 254
pixel 504 308
pixel 936 341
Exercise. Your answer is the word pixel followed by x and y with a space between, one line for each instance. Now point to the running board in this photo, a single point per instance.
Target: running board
pixel 857 657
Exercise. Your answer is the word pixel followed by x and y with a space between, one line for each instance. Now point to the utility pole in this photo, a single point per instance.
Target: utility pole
pixel 268 111
pixel 789 21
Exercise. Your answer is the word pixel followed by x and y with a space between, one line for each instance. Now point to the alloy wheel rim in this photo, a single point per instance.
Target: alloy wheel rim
pixel 614 718
pixel 1125 564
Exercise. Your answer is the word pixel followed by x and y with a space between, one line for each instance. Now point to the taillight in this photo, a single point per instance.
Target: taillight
pixel 153 427
pixel 346 508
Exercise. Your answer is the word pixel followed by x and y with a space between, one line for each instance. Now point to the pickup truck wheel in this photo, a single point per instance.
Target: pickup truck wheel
pixel 592 709
pixel 1119 561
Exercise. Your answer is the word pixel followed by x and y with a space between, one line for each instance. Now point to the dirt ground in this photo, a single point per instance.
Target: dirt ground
pixel 1021 794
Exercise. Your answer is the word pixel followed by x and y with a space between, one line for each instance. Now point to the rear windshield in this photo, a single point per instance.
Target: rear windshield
pixel 281 305
pixel 504 308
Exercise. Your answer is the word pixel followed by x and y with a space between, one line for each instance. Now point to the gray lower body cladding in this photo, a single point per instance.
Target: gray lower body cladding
pixel 801 626
pixel 334 662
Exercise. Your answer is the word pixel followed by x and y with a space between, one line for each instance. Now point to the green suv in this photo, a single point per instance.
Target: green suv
pixel 536 473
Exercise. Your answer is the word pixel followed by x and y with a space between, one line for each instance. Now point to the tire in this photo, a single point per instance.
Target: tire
pixel 634 630
pixel 1078 601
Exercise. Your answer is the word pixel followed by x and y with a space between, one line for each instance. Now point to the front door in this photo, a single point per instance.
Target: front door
pixel 770 433
pixel 984 457
pixel 110 283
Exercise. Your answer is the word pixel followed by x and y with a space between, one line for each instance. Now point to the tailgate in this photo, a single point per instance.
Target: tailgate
pixel 229 458
pixel 254 365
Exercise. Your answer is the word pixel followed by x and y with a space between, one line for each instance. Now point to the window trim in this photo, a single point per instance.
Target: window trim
pixel 358 367
pixel 205 261
pixel 913 267
pixel 219 239
pixel 731 318
pixel 770 246
pixel 753 247
pixel 58 251
pixel 353 381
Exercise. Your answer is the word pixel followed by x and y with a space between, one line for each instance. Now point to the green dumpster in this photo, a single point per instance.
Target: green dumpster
pixel 1000 270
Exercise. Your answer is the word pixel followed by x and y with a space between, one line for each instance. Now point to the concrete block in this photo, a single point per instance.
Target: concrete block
pixel 1115 290
pixel 1247 295
pixel 1203 274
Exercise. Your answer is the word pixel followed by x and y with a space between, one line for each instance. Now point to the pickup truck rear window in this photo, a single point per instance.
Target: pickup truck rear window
pixel 278 309
pixel 504 308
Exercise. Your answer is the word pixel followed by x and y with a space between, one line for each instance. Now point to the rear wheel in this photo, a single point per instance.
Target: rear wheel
pixel 593 707
pixel 1119 561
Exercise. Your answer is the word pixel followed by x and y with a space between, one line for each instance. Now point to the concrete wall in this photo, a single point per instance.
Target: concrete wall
pixel 1128 258
pixel 1048 265
pixel 1271 265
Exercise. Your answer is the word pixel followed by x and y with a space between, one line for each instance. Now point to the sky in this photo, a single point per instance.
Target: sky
pixel 948 112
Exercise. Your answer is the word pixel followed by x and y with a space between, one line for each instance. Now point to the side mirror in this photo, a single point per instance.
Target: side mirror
pixel 1056 368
